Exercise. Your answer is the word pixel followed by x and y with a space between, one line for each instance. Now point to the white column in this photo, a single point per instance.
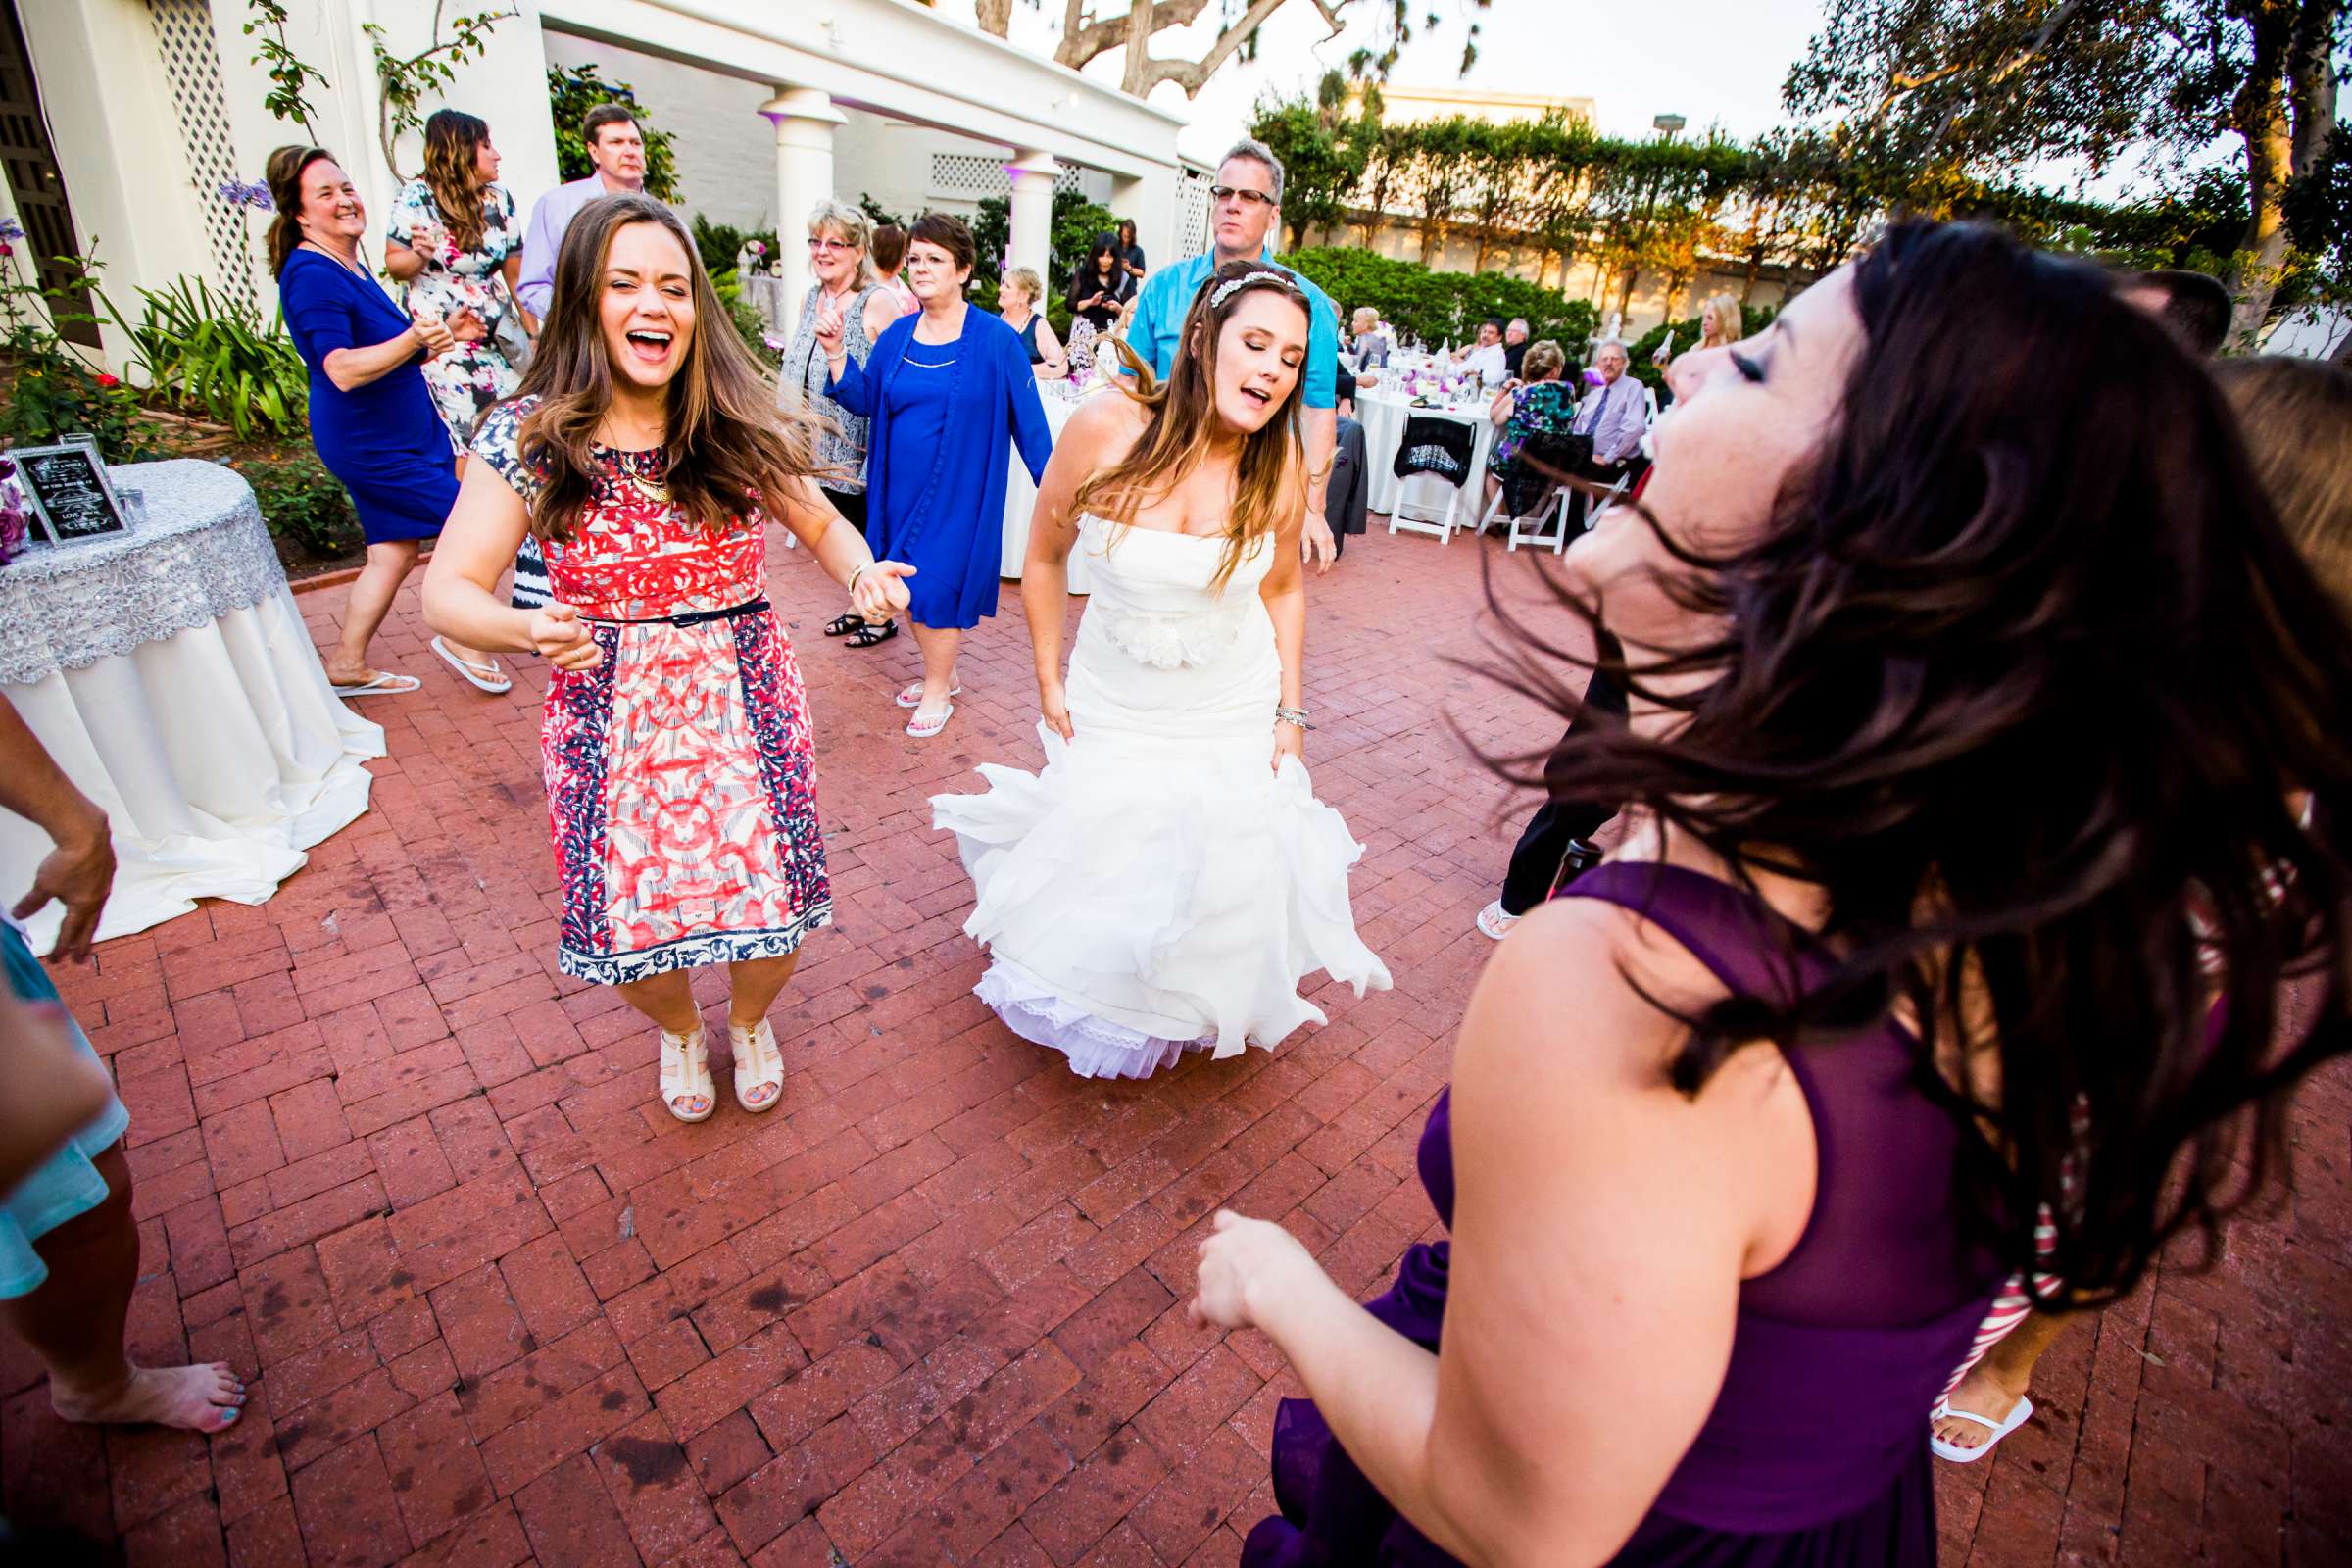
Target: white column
pixel 1033 175
pixel 803 118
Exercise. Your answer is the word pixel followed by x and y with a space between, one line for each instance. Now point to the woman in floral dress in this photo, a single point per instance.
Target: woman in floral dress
pixel 648 456
pixel 453 241
pixel 1545 404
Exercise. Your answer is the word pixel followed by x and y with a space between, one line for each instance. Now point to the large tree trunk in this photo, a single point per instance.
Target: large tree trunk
pixel 2261 117
pixel 994 17
pixel 2311 83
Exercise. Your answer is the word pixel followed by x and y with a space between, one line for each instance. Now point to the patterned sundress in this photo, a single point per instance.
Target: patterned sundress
pixel 474 376
pixel 679 782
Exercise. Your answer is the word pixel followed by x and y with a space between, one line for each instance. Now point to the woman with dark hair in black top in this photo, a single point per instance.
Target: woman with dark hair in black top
pixel 1102 285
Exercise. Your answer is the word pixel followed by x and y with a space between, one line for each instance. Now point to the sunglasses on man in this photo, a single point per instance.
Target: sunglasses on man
pixel 1250 198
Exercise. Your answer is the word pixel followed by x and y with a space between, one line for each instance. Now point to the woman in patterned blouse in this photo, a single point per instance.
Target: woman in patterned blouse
pixel 1541 406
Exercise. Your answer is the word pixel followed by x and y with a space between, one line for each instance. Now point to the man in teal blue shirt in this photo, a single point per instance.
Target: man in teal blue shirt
pixel 1247 201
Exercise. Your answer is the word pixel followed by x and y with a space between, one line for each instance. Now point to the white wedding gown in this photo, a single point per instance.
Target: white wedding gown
pixel 1160 886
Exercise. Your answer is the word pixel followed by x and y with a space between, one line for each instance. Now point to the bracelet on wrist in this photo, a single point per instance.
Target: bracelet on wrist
pixel 857 572
pixel 1292 715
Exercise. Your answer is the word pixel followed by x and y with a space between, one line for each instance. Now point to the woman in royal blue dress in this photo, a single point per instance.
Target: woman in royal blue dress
pixel 372 417
pixel 947 389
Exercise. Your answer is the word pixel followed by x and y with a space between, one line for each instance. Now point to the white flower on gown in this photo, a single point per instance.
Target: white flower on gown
pixel 1159 885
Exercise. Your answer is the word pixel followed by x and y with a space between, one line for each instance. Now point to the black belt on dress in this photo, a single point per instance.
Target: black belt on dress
pixel 692 618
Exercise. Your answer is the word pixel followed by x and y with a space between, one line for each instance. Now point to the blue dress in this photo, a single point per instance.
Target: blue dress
pixel 67 1184
pixel 944 416
pixel 385 440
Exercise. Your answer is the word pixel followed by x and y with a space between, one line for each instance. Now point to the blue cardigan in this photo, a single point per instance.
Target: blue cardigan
pixel 959 502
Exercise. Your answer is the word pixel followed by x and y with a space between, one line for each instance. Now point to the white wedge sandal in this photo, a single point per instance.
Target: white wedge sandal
pixel 758 1067
pixel 686 1075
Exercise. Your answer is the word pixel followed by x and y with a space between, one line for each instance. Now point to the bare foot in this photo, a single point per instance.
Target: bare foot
pixel 195 1398
pixel 1980 1392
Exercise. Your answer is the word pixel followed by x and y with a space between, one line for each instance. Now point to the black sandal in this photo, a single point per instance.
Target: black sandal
pixel 844 625
pixel 868 634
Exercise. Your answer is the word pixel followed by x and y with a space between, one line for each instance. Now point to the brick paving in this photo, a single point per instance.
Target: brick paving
pixel 496 1307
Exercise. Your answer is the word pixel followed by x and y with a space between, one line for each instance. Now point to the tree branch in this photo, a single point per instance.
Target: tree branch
pixel 1193 74
pixel 1083 40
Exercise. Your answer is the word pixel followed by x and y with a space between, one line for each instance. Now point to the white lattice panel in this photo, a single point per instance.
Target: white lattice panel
pixel 184 36
pixel 972 176
pixel 1192 213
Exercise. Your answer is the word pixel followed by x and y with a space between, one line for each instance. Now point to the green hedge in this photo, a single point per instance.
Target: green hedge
pixel 1436 306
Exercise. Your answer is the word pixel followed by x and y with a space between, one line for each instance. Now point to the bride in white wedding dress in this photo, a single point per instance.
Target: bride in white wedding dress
pixel 1169 877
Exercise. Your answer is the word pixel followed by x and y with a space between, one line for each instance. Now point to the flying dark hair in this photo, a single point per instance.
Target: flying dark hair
pixel 2196 306
pixel 2023 673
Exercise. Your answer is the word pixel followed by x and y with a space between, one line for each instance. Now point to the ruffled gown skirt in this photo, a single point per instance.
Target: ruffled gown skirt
pixel 1160 886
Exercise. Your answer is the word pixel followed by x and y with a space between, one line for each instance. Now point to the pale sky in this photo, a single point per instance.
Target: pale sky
pixel 1710 61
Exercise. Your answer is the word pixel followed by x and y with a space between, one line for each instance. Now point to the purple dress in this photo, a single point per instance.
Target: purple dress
pixel 1816 1453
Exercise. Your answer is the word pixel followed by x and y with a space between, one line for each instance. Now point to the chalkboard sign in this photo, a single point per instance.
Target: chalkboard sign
pixel 70 493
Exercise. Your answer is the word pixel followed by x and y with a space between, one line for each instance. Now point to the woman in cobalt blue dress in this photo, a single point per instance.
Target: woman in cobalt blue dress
pixel 372 417
pixel 947 388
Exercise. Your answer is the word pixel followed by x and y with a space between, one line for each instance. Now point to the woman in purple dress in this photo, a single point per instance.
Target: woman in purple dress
pixel 1970 679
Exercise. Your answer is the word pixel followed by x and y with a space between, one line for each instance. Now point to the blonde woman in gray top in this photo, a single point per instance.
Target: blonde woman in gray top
pixel 840 255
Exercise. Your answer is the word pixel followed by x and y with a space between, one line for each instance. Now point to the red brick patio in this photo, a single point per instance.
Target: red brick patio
pixel 498 1308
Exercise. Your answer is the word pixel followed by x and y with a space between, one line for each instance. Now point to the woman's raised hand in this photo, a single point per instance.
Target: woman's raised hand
pixel 435 335
pixel 828 328
pixel 562 639
pixel 880 592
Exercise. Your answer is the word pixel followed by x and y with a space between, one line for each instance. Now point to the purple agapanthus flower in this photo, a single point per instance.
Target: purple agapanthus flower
pixel 10 228
pixel 775 344
pixel 237 193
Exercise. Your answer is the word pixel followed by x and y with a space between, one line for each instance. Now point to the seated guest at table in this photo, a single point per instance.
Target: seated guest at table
pixel 1514 346
pixel 1018 299
pixel 1615 415
pixel 373 419
pixel 648 452
pixel 890 255
pixel 1486 357
pixel 69 1244
pixel 1131 255
pixel 1101 285
pixel 840 243
pixel 1367 345
pixel 1545 404
pixel 952 398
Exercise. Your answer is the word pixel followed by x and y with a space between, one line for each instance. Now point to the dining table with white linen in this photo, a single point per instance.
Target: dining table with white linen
pixel 1383 412
pixel 1020 492
pixel 169 674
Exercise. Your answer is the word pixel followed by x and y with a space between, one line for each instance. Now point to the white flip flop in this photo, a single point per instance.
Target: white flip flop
pixel 911 694
pixel 496 682
pixel 382 684
pixel 1999 1430
pixel 922 729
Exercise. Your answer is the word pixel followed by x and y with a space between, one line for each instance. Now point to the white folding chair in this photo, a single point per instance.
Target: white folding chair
pixel 1601 504
pixel 1529 529
pixel 1424 514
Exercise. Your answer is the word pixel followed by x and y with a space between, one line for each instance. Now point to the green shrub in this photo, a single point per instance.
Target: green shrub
pixel 210 354
pixel 1076 221
pixel 302 502
pixel 1753 319
pixel 57 387
pixel 1438 307
pixel 729 286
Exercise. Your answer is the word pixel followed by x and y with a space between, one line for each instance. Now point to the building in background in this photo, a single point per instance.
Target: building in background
pixel 1411 106
pixel 120 121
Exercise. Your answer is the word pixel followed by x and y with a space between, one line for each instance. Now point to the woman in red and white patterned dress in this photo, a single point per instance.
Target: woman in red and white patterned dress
pixel 677 741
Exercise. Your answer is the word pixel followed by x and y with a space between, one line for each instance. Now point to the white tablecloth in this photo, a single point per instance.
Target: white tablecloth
pixel 217 749
pixel 1383 419
pixel 1020 504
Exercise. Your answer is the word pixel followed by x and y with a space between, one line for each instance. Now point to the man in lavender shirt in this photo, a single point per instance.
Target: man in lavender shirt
pixel 617 149
pixel 1615 415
